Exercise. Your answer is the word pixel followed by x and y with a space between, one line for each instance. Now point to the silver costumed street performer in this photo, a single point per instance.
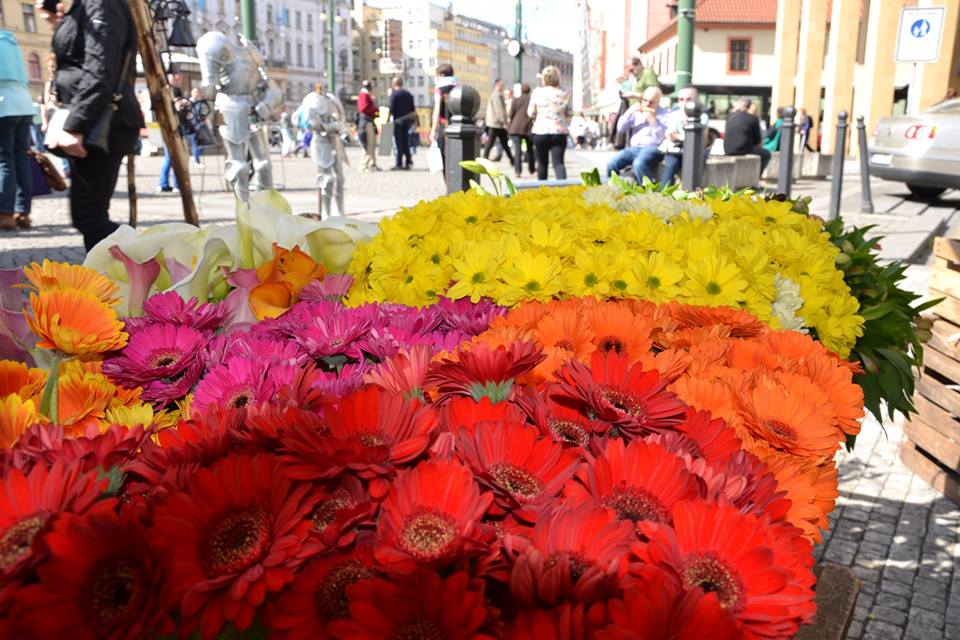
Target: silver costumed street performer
pixel 324 115
pixel 248 100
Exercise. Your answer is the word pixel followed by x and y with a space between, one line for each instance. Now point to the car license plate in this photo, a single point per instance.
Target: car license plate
pixel 881 158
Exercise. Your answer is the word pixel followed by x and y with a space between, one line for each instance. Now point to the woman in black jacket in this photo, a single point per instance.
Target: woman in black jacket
pixel 91 42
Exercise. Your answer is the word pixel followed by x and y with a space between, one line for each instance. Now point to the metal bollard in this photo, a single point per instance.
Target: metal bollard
pixel 836 180
pixel 691 176
pixel 463 136
pixel 866 198
pixel 785 177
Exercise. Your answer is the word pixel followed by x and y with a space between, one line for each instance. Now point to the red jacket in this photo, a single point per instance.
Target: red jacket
pixel 367 105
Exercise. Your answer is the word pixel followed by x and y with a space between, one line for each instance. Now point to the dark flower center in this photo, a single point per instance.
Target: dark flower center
pixel 611 343
pixel 165 358
pixel 713 575
pixel 240 398
pixel 116 589
pixel 331 595
pixel 519 482
pixel 566 344
pixel 568 431
pixel 18 539
pixel 418 630
pixel 578 565
pixel 372 439
pixel 238 540
pixel 325 513
pixel 635 504
pixel 623 401
pixel 781 429
pixel 713 288
pixel 427 535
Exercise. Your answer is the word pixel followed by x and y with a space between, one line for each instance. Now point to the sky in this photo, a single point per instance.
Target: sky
pixel 547 22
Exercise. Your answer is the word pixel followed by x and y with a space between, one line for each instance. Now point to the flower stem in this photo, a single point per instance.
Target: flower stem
pixel 50 401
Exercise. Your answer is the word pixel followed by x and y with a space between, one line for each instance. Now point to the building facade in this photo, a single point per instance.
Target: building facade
pixel 34 36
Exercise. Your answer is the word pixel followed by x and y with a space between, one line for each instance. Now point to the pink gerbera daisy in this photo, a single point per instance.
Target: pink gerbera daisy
pixel 163 358
pixel 170 307
pixel 239 383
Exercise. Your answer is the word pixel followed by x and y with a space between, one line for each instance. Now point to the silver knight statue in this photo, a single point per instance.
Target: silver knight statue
pixel 248 100
pixel 324 115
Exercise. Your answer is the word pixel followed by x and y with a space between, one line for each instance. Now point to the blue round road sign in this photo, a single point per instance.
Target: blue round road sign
pixel 920 28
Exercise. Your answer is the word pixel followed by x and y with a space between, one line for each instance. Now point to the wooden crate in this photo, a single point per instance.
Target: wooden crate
pixel 932 445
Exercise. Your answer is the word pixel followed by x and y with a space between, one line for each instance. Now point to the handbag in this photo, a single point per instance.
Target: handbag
pixel 98 137
pixel 434 158
pixel 50 173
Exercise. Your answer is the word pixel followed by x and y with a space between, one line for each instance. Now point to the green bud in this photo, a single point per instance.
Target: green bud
pixel 842 258
pixel 924 335
pixel 848 246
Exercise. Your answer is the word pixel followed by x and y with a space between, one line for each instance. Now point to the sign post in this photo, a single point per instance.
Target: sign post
pixel 918 42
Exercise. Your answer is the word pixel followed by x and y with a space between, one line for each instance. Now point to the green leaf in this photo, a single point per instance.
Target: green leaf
pixel 510 188
pixel 879 310
pixel 474 166
pixel 590 178
pixel 929 304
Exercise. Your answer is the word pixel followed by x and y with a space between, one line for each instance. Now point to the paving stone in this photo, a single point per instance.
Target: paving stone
pixel 879 630
pixel 889 614
pixel 894 602
pixel 930 603
pixel 933 619
pixel 930 587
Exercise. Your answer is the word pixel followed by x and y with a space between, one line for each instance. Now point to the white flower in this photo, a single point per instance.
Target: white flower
pixel 607 194
pixel 786 304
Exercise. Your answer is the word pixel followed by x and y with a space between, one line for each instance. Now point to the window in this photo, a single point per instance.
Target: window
pixel 297 20
pixel 343 27
pixel 29 19
pixel 310 22
pixel 286 52
pixel 739 55
pixel 33 67
pixel 269 14
pixel 270 49
pixel 419 81
pixel 310 56
pixel 299 55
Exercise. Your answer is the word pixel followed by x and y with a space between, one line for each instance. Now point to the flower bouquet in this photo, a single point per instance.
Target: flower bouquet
pixel 548 419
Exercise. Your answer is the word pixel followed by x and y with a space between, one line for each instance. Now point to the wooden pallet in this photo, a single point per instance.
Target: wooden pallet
pixel 932 446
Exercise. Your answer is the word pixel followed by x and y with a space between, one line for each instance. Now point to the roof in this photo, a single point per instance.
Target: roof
pixel 753 12
pixel 740 11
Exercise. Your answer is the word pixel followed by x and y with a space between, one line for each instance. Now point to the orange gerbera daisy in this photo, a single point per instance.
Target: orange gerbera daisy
pixel 619 330
pixel 714 396
pixel 75 322
pixel 16 377
pixel 82 401
pixel 740 323
pixel 59 275
pixel 791 418
pixel 811 489
pixel 671 363
pixel 837 383
pixel 16 416
pixel 525 315
pixel 566 329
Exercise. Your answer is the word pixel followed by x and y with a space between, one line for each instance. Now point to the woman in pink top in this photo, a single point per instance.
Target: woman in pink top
pixel 550 109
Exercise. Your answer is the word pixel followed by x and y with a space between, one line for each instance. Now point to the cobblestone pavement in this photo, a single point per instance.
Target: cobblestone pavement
pixel 900 537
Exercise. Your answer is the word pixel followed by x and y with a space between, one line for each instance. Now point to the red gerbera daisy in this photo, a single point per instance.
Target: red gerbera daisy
pixel 564 424
pixel 483 370
pixel 104 579
pixel 28 503
pixel 658 608
pixel 750 564
pixel 339 511
pixel 612 390
pixel 744 482
pixel 568 621
pixel 573 554
pixel 421 605
pixel 640 481
pixel 371 431
pixel 318 595
pixel 704 436
pixel 467 413
pixel 525 470
pixel 431 514
pixel 237 533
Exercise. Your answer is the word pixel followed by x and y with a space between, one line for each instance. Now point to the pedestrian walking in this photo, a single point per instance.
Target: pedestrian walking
pixel 805 126
pixel 403 113
pixel 16 120
pixel 366 127
pixel 288 135
pixel 180 103
pixel 415 133
pixel 445 82
pixel 550 109
pixel 521 125
pixel 94 39
pixel 497 122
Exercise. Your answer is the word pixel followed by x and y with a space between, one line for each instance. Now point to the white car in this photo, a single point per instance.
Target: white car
pixel 922 151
